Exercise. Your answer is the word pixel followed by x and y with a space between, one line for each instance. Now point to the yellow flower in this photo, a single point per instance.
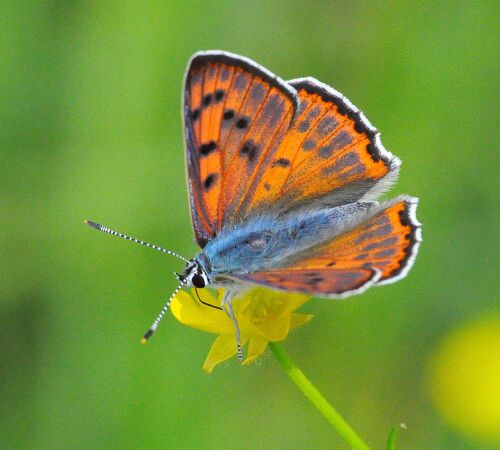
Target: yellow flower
pixel 263 316
pixel 464 379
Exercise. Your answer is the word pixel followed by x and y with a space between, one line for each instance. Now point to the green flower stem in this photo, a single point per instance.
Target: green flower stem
pixel 315 397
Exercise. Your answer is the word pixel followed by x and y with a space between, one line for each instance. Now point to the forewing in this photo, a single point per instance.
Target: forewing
pixel 379 249
pixel 236 114
pixel 331 155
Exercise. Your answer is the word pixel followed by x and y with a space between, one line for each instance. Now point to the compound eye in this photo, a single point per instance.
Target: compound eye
pixel 198 281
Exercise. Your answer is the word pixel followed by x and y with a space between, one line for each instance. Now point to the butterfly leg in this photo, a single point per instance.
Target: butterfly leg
pixel 228 307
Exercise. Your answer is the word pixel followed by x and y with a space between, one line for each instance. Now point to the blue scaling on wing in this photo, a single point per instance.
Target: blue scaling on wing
pixel 270 241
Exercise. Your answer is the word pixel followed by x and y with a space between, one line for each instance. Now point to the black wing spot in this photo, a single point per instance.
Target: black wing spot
pixel 228 114
pixel 282 162
pixel 250 150
pixel 207 99
pixel 219 95
pixel 210 181
pixel 267 187
pixel 206 149
pixel 195 114
pixel 242 123
pixel 331 264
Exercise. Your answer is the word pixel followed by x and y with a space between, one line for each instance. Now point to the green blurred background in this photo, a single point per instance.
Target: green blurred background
pixel 90 128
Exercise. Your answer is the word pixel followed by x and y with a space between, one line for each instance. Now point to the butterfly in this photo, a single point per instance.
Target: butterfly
pixel 283 178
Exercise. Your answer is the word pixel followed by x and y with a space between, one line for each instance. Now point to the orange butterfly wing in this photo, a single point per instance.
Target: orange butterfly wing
pixel 380 249
pixel 334 283
pixel 236 114
pixel 254 144
pixel 331 154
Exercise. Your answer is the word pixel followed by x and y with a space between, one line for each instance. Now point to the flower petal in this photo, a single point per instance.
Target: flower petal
pixel 299 319
pixel 191 312
pixel 294 301
pixel 256 346
pixel 224 347
pixel 270 311
pixel 276 329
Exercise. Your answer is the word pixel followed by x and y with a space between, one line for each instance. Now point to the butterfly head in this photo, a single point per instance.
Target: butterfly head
pixel 194 275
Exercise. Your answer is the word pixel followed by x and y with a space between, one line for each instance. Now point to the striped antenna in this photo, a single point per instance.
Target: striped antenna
pixel 130 238
pixel 155 324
